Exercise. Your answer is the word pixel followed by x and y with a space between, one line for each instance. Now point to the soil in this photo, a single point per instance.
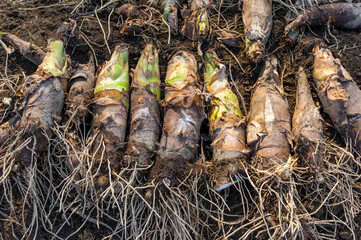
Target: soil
pixel 38 20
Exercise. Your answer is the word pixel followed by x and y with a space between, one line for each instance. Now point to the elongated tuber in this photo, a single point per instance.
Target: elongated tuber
pixel 269 123
pixel 339 94
pixel 257 19
pixel 307 127
pixel 182 122
pixel 145 123
pixel 344 15
pixel 227 124
pixel 44 99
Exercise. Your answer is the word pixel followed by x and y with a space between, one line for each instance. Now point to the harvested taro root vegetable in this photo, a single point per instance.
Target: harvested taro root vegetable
pixel 339 94
pixel 111 104
pixel 30 51
pixel 269 123
pixel 145 123
pixel 44 100
pixel 182 122
pixel 197 26
pixel 78 103
pixel 343 15
pixel 227 124
pixel 257 19
pixel 170 14
pixel 81 89
pixel 307 127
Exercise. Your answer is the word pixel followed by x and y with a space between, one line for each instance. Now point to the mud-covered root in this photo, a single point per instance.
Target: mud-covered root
pixel 111 104
pixel 25 192
pixel 145 123
pixel 257 19
pixel 278 213
pixel 81 86
pixel 335 199
pixel 343 15
pixel 183 116
pixel 174 216
pixel 41 109
pixel 65 27
pixel 29 50
pixel 299 6
pixel 339 95
pixel 330 189
pixel 269 124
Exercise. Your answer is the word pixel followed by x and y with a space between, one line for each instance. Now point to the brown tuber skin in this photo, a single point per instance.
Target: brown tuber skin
pixel 197 25
pixel 128 10
pixel 257 19
pixel 30 51
pixel 7 129
pixel 78 102
pixel 81 90
pixel 226 123
pixel 344 15
pixel 42 106
pixel 269 123
pixel 339 94
pixel 145 108
pixel 182 122
pixel 111 103
pixel 307 127
pixel 228 37
pixel 170 14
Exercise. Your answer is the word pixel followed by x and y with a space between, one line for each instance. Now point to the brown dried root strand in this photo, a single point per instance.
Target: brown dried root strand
pixel 81 90
pixel 257 19
pixel 333 198
pixel 307 127
pixel 269 123
pixel 182 121
pixel 339 95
